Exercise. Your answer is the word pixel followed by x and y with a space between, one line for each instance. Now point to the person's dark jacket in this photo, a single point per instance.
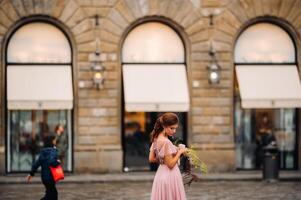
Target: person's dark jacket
pixel 47 158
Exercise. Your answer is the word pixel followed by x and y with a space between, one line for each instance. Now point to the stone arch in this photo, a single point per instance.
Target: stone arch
pixel 166 21
pixel 178 29
pixel 126 14
pixel 134 10
pixel 240 14
pixel 14 14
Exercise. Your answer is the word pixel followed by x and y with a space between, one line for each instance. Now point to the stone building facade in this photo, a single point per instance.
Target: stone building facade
pixel 97 115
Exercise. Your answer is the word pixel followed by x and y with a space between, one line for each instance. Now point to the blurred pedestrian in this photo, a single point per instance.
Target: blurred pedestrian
pixel 264 137
pixel 61 142
pixel 168 183
pixel 47 158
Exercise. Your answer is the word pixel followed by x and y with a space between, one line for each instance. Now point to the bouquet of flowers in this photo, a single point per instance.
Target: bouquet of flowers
pixel 192 164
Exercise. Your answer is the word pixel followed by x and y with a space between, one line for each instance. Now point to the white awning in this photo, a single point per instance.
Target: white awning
pixel 269 86
pixel 155 88
pixel 39 87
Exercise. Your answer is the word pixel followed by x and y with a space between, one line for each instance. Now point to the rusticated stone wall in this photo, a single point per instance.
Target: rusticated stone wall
pixel 97 117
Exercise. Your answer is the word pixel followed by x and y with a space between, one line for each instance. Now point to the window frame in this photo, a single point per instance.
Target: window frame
pixel 181 35
pixel 292 34
pixel 267 63
pixel 61 27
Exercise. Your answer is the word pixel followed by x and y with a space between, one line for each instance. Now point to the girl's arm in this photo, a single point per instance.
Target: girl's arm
pixel 171 160
pixel 152 156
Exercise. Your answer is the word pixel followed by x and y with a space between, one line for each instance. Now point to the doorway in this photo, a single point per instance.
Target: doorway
pixel 137 128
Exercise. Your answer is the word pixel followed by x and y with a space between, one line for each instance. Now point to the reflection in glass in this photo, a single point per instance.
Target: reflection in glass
pixel 249 154
pixel 244 138
pixel 153 42
pixel 38 43
pixel 285 133
pixel 264 43
pixel 27 130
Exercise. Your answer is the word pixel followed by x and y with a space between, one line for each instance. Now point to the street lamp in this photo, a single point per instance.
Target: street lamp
pixel 98 78
pixel 97 67
pixel 213 68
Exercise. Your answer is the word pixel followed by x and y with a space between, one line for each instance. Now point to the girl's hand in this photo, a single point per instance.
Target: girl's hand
pixel 28 178
pixel 182 149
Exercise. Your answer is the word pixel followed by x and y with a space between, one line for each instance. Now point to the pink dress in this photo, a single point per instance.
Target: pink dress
pixel 168 183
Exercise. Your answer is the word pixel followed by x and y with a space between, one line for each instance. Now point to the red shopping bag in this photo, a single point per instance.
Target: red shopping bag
pixel 57 173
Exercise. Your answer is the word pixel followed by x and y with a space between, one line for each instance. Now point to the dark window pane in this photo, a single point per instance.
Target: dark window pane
pixel 137 129
pixel 26 132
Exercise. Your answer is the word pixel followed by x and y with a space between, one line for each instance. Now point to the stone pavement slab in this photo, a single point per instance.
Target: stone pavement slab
pixel 148 177
pixel 204 190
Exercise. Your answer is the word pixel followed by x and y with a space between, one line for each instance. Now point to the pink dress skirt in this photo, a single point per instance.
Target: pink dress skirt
pixel 168 183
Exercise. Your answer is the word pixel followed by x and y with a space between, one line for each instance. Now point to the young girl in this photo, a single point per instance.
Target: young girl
pixel 47 157
pixel 168 183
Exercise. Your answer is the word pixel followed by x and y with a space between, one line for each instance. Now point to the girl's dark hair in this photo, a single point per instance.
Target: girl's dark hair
pixel 48 140
pixel 167 119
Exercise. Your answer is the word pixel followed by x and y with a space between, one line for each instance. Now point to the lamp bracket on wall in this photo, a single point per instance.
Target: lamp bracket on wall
pixel 96 17
pixel 213 68
pixel 97 67
pixel 211 13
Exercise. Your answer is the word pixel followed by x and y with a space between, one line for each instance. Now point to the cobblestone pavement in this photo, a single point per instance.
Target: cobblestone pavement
pixel 211 190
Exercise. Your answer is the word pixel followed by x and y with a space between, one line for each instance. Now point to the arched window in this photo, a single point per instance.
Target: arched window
pixel 151 53
pixel 264 43
pixel 267 89
pixel 27 45
pixel 154 80
pixel 153 43
pixel 39 93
